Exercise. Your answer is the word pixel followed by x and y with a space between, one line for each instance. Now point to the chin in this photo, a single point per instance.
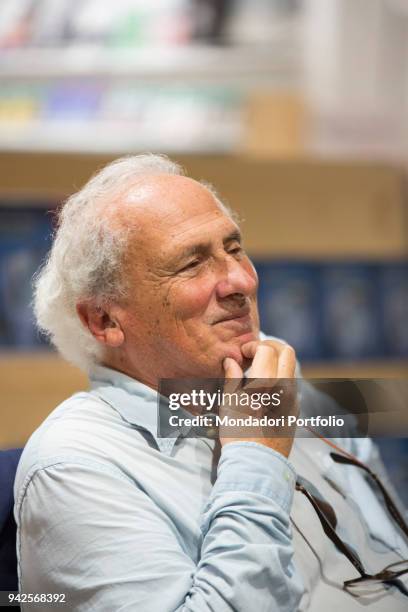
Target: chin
pixel 232 348
pixel 238 341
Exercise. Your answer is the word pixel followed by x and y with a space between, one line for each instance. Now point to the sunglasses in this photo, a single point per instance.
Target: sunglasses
pixel 366 583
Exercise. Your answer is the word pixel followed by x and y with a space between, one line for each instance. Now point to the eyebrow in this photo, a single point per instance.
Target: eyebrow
pixel 203 247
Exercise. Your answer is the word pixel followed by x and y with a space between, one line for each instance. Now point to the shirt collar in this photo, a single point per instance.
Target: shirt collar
pixel 136 403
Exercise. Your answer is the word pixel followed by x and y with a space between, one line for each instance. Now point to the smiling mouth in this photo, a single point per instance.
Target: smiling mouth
pixel 242 316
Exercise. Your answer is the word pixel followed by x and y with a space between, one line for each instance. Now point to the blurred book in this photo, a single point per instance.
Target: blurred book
pixel 72 101
pixel 393 295
pixel 351 314
pixel 394 453
pixel 289 304
pixel 121 117
pixel 123 23
pixel 25 237
pixel 343 311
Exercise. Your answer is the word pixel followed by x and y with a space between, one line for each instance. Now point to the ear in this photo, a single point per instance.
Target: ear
pixel 100 322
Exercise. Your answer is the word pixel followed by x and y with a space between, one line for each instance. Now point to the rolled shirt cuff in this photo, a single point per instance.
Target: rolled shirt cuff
pixel 253 467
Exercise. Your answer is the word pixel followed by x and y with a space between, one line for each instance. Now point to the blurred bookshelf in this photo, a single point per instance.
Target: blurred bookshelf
pixel 210 76
pixel 173 75
pixel 195 62
pixel 192 99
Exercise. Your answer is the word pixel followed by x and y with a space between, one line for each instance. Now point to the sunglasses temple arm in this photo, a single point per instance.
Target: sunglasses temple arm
pixel 332 535
pixel 392 508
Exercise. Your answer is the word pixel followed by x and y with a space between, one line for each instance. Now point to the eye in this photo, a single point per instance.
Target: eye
pixel 191 265
pixel 237 250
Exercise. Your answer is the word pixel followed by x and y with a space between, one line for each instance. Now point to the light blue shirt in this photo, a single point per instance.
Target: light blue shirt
pixel 118 519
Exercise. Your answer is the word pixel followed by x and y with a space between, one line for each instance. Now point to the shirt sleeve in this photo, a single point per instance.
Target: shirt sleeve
pixel 92 534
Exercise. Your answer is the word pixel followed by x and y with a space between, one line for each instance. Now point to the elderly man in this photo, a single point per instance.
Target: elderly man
pixel 148 280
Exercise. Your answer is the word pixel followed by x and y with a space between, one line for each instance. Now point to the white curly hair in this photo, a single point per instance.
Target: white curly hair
pixel 86 257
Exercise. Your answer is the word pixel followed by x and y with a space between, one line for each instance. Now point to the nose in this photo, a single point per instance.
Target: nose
pixel 238 279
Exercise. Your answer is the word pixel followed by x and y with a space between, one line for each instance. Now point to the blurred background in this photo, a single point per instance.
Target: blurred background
pixel 296 110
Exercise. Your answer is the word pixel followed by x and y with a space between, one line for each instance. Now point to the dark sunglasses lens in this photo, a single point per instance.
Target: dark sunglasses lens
pixel 325 508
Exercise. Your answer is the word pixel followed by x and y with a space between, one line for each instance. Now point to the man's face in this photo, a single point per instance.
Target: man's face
pixel 192 299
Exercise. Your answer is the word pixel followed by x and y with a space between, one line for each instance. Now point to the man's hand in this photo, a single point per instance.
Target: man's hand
pixel 271 360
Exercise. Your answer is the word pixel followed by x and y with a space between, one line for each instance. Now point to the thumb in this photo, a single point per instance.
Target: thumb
pixel 232 369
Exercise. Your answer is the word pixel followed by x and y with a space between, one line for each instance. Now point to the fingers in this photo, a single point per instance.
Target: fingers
pixel 271 359
pixel 249 348
pixel 232 369
pixel 287 363
pixel 233 375
pixel 265 362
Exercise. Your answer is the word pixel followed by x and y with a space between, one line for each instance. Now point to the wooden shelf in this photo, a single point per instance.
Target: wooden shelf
pixel 276 64
pixel 115 138
pixel 381 368
pixel 31 386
